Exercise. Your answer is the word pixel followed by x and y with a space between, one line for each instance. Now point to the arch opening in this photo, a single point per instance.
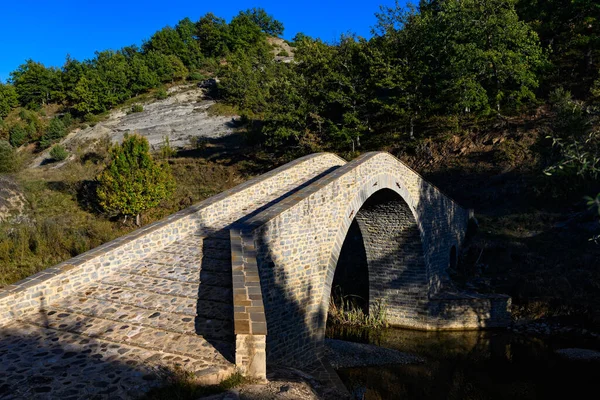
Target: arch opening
pixel 381 262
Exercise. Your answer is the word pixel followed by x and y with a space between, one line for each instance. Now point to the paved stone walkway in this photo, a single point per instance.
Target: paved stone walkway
pixel 113 339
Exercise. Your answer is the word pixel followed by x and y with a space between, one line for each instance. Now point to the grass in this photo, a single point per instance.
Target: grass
pixel 62 220
pixel 223 109
pixel 344 310
pixel 180 385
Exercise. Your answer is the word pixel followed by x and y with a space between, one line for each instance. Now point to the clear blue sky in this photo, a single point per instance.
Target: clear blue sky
pixel 47 31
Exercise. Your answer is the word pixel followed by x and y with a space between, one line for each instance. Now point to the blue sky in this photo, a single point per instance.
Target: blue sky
pixel 47 31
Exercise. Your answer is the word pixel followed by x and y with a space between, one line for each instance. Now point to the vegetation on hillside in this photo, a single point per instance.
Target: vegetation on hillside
pixel 133 182
pixel 495 101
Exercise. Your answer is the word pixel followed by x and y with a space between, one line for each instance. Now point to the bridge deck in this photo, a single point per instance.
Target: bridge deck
pixel 173 307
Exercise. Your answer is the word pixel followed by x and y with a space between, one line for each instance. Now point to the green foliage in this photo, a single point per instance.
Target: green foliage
pixel 18 136
pixel 161 94
pixel 136 108
pixel 283 53
pixel 37 85
pixel 58 153
pixel 8 99
pixel 179 41
pixel 56 131
pixel 468 55
pixel 8 158
pixel 133 182
pixel 264 21
pixel 213 35
pixel 575 137
pixel 344 310
pixel 166 151
pixel 570 29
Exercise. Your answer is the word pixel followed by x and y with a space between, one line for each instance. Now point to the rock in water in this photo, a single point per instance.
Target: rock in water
pixel 575 354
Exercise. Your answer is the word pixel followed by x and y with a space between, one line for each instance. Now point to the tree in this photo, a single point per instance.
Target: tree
pixel 466 55
pixel 37 85
pixel 266 22
pixel 179 41
pixel 212 33
pixel 133 182
pixel 8 158
pixel 8 99
pixel 56 131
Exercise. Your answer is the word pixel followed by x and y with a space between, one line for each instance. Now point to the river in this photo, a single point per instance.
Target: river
pixel 471 365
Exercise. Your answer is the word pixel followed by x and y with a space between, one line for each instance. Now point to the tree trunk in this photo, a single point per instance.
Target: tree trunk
pixel 412 128
pixel 138 220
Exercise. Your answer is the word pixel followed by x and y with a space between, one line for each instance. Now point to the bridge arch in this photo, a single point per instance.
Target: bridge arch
pixel 383 213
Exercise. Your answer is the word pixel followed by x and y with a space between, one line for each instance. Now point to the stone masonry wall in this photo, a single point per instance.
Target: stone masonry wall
pixel 298 242
pixel 396 266
pixel 52 284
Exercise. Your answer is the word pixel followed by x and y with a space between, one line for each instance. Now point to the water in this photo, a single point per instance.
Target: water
pixel 472 365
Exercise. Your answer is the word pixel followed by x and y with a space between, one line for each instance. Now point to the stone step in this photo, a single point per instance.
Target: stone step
pixel 163 286
pixel 128 333
pixel 42 363
pixel 182 274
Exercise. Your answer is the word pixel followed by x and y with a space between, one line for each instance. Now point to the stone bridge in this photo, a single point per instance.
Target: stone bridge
pixel 241 279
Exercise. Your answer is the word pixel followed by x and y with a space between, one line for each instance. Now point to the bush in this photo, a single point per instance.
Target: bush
pixel 56 130
pixel 161 94
pixel 67 120
pixel 91 119
pixel 18 136
pixel 58 153
pixel 283 53
pixel 8 157
pixel 133 182
pixel 197 76
pixel 136 108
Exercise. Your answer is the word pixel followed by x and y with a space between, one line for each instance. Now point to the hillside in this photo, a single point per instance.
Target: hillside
pixel 505 120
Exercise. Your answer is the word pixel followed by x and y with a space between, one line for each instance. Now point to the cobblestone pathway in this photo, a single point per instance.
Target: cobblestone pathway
pixel 110 341
pixel 113 339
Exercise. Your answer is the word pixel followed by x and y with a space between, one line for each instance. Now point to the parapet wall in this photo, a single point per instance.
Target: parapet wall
pixel 52 284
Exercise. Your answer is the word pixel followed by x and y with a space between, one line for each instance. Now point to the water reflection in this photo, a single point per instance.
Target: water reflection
pixel 471 365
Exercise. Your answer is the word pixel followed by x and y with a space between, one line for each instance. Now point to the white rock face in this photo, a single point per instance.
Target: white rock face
pixel 179 117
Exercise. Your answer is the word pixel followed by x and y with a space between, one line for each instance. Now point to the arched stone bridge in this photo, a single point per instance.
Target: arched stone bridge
pixel 240 279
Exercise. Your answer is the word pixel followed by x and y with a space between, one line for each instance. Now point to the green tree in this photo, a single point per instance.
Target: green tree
pixel 56 130
pixel 133 182
pixel 266 22
pixel 212 33
pixel 8 157
pixel 471 55
pixel 8 99
pixel 37 85
pixel 18 136
pixel 571 31
pixel 180 41
pixel 58 153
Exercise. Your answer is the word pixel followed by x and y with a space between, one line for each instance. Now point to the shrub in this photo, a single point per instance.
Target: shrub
pixel 8 157
pixel 166 151
pixel 56 130
pixel 136 108
pixel 67 120
pixel 18 135
pixel 197 76
pixel 133 182
pixel 91 119
pixel 161 94
pixel 283 53
pixel 58 152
